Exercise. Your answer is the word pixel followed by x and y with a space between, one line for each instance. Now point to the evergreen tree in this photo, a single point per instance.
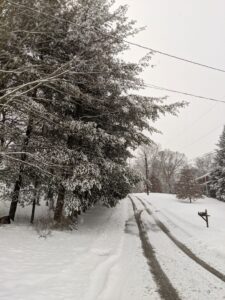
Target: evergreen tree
pixel 63 80
pixel 187 187
pixel 217 177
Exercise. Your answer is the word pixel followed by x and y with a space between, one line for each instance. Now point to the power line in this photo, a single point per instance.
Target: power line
pixel 194 122
pixel 204 136
pixel 134 44
pixel 197 120
pixel 202 156
pixel 152 86
pixel 128 42
pixel 175 57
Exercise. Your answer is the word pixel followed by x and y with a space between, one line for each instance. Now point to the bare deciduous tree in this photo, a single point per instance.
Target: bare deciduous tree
pixel 205 164
pixel 171 162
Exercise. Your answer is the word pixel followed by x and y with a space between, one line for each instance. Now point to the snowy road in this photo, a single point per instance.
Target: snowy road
pixel 191 275
pixel 131 252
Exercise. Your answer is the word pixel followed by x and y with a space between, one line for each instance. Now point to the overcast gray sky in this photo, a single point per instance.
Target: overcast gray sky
pixel 193 29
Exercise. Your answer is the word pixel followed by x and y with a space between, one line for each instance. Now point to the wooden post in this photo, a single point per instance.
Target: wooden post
pixel 206 218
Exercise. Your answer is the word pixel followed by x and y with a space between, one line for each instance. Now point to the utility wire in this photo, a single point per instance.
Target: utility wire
pixel 175 57
pixel 128 42
pixel 201 156
pixel 152 86
pixel 147 48
pixel 196 121
pixel 204 136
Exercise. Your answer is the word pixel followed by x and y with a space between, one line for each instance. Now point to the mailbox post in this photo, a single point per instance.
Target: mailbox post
pixel 204 215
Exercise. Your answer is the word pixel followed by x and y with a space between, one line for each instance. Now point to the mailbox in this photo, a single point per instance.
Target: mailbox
pixel 204 215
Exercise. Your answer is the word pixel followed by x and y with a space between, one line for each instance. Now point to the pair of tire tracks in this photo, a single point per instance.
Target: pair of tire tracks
pixel 183 247
pixel 165 288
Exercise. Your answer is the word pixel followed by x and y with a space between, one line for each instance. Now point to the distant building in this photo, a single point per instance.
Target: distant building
pixel 205 181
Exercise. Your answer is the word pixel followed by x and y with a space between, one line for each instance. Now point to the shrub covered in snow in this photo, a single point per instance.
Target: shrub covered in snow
pixel 187 187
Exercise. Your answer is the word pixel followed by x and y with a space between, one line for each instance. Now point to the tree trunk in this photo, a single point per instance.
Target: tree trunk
pixel 59 205
pixel 38 195
pixel 50 195
pixel 15 196
pixel 3 129
pixel 50 199
pixel 35 200
pixel 18 183
pixel 33 211
pixel 146 174
pixel 38 198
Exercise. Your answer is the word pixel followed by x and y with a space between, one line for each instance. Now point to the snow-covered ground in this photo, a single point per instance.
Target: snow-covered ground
pixel 181 218
pixel 104 259
pixel 183 221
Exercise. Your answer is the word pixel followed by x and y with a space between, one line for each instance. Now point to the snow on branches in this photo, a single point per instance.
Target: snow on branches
pixel 68 118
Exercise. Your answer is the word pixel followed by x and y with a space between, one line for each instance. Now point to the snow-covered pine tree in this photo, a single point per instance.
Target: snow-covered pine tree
pixel 187 187
pixel 217 177
pixel 61 68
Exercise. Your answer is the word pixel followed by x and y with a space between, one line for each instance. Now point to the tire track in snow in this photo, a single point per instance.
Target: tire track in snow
pixel 183 247
pixel 166 290
pixel 107 247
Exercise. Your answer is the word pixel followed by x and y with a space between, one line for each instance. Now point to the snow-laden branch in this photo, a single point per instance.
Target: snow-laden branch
pixel 35 82
pixel 30 164
pixel 33 156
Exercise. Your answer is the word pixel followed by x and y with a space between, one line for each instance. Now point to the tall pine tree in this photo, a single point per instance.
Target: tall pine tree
pixel 61 71
pixel 217 184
